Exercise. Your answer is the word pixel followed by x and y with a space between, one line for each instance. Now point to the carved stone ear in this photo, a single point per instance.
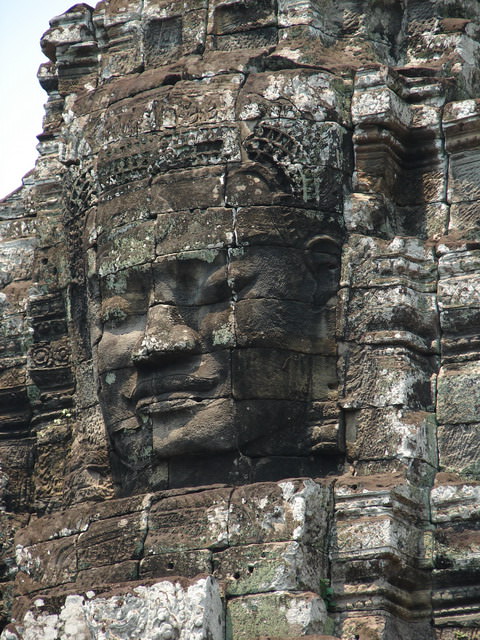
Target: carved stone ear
pixel 325 244
pixel 322 256
pixel 324 251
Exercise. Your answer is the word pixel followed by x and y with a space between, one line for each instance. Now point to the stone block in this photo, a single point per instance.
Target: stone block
pixel 290 94
pixel 70 42
pixel 366 212
pixel 123 297
pixel 251 39
pixel 313 174
pixel 188 522
pixel 16 258
pixel 289 432
pixel 467 628
pixel 285 324
pixel 198 427
pixel 460 339
pixel 376 537
pixel 15 474
pixel 384 627
pixel 112 540
pixel 253 185
pixel 124 207
pixel 189 278
pixel 459 302
pixel 456 553
pixel 380 105
pixel 430 219
pixel 462 176
pixel 459 284
pixel 207 329
pixel 456 550
pixel 182 563
pixel 460 110
pixel 300 12
pixel 106 576
pixel 459 449
pixel 123 55
pixel 290 374
pixel 77 519
pixel 233 17
pixel 374 262
pixel 454 500
pixel 185 104
pixel 380 377
pixel 210 468
pixel 154 154
pixel 391 433
pixel 281 138
pixel 465 218
pixel 127 246
pixel 295 510
pixel 275 225
pixel 308 637
pixel 185 36
pixel 458 393
pixel 272 272
pixel 48 564
pixel 379 494
pixel 121 409
pixel 194 230
pixel 282 566
pixel 173 192
pixel 392 315
pixel 313 461
pixel 278 613
pixel 425 184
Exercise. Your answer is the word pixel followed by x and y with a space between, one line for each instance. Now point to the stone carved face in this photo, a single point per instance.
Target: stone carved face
pixel 214 255
pixel 217 335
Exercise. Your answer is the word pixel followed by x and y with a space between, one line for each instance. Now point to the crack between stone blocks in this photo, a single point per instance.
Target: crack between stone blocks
pixel 144 513
pixel 429 561
pixel 235 107
pixel 233 301
pixel 437 308
pixel 329 536
pixel 229 503
pixel 447 169
pixel 207 18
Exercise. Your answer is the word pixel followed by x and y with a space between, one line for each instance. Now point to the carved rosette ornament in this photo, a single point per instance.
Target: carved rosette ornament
pixel 239 340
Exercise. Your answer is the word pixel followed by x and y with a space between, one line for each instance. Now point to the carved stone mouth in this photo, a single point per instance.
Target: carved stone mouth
pixel 156 406
pixel 167 387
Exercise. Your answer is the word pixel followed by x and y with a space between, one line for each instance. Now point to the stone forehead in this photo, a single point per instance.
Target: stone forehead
pixel 212 229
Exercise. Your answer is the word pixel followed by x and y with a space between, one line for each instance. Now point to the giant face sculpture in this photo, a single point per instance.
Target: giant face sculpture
pixel 214 257
pixel 214 350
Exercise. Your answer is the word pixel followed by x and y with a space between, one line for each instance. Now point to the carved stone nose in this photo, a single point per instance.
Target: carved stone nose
pixel 165 334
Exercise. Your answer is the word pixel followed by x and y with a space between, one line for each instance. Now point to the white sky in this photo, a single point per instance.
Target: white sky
pixel 22 23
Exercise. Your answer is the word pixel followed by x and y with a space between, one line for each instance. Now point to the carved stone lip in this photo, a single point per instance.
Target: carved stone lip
pixel 156 406
pixel 165 388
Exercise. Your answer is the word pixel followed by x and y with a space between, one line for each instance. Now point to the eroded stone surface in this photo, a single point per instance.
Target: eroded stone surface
pixel 239 310
pixel 161 610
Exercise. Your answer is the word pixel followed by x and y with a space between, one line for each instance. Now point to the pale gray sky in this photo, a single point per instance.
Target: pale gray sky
pixel 22 24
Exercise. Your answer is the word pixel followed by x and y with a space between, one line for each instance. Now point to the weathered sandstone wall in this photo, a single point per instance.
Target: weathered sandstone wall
pixel 240 379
